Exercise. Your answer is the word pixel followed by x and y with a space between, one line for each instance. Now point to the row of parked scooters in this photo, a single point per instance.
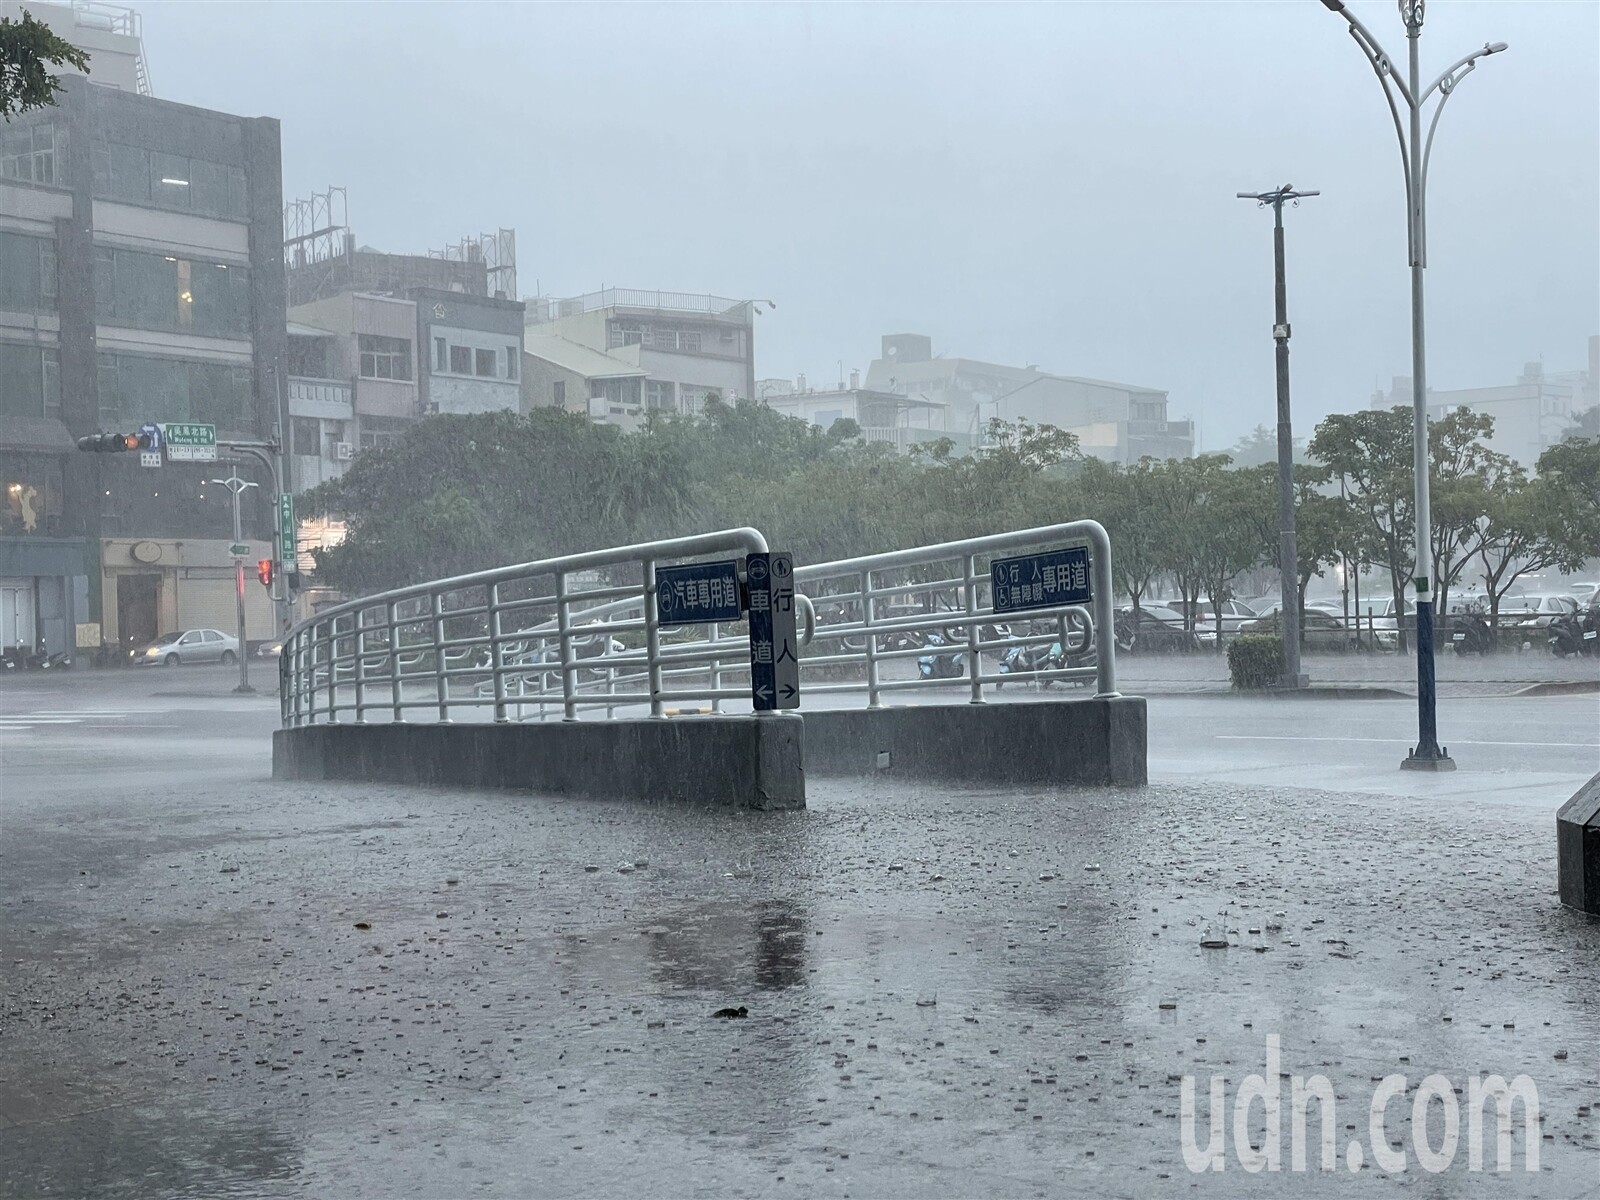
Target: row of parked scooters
pixel 1576 633
pixel 947 654
pixel 33 658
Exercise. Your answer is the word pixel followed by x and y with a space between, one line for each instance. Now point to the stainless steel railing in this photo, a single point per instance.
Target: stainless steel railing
pixel 880 609
pixel 573 634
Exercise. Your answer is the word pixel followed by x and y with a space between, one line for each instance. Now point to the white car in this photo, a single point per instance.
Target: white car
pixel 186 646
pixel 1537 612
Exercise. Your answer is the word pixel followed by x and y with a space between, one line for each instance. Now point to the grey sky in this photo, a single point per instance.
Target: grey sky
pixel 1029 183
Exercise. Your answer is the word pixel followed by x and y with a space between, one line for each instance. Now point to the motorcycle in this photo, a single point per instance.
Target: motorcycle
pixel 941 666
pixel 1470 634
pixel 1576 633
pixel 21 658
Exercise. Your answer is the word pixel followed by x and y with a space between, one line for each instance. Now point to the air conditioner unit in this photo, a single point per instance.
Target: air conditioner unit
pixel 344 451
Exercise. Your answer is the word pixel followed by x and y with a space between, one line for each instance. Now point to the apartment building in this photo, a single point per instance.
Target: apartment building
pixel 141 280
pixel 668 350
pixel 1117 422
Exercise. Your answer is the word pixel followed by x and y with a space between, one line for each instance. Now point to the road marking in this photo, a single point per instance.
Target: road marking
pixel 1269 737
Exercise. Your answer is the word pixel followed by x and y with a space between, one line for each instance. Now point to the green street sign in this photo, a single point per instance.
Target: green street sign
pixel 190 442
pixel 286 528
pixel 239 550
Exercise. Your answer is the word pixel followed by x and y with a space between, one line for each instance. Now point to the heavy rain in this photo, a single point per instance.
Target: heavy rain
pixel 799 599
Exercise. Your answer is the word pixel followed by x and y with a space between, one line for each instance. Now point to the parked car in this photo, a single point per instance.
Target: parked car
pixel 186 646
pixel 1537 611
pixel 1158 630
pixel 1234 614
pixel 1318 630
pixel 1585 591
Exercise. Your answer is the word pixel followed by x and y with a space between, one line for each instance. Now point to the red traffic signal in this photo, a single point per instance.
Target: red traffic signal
pixel 264 572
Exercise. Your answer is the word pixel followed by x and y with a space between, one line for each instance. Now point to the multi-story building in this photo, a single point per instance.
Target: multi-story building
pixel 677 348
pixel 1113 421
pixel 352 380
pixel 471 350
pixel 891 418
pixel 141 280
pixel 108 33
pixel 1530 415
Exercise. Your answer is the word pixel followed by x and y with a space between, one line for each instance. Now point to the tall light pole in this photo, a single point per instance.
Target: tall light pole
pixel 236 485
pixel 1288 552
pixel 1414 155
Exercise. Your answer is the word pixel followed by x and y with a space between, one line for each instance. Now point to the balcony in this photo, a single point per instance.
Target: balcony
pixel 329 399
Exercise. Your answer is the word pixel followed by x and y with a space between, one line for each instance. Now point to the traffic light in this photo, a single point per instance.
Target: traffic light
pixel 264 572
pixel 116 443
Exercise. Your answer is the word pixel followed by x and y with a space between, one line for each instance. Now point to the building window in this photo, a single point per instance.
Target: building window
pixel 179 295
pixel 512 354
pixel 484 363
pixel 558 393
pixel 27 273
pixel 658 393
pixel 377 432
pixel 31 153
pixel 169 181
pixel 306 434
pixel 625 333
pixel 461 360
pixel 384 357
pixel 135 388
pixel 30 494
pixel 30 380
pixel 692 396
pixel 440 354
pixel 689 342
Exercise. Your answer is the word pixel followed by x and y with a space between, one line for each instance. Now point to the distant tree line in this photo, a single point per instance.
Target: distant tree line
pixel 458 494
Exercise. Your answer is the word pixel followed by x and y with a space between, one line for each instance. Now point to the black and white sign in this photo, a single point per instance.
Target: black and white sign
pixel 774 647
pixel 1048 580
pixel 698 593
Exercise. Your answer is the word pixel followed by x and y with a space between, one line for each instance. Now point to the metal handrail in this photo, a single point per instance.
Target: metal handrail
pixel 863 591
pixel 334 659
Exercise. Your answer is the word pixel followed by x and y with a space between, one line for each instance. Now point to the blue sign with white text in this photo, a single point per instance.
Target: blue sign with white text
pixel 698 593
pixel 1049 580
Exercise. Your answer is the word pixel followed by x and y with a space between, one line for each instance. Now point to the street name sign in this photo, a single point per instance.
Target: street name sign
pixel 698 593
pixel 286 539
pixel 239 550
pixel 774 648
pixel 1048 580
pixel 189 442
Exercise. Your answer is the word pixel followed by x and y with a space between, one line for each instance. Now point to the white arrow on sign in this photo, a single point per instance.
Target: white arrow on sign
pixel 763 693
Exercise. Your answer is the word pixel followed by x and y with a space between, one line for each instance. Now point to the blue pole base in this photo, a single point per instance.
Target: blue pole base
pixel 1439 760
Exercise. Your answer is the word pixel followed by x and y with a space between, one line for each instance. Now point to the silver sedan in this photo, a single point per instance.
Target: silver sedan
pixel 186 646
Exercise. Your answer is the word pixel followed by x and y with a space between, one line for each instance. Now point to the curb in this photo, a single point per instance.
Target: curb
pixel 1560 687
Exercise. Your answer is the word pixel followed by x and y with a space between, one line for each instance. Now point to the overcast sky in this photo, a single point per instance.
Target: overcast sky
pixel 1030 183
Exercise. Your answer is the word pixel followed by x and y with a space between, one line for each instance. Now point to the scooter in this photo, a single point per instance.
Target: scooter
pixel 1577 633
pixel 940 666
pixel 1020 661
pixel 1470 634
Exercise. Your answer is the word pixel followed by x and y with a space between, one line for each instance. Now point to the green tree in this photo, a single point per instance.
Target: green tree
pixel 28 48
pixel 1572 470
pixel 1462 464
pixel 1124 501
pixel 1259 447
pixel 1370 451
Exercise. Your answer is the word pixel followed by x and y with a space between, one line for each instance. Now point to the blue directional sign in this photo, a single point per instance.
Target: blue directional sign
pixel 1048 580
pixel 774 648
pixel 698 593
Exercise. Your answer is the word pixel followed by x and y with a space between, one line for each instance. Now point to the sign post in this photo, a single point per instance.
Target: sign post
pixel 189 442
pixel 286 538
pixel 774 647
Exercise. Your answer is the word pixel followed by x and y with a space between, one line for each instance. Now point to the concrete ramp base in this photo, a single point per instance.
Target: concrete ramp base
pixel 723 762
pixel 1093 742
pixel 1578 848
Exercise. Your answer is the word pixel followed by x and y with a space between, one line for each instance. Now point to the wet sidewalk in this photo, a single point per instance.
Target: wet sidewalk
pixel 248 989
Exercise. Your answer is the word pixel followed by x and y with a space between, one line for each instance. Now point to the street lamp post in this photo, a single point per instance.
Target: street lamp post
pixel 1414 155
pixel 236 485
pixel 1288 552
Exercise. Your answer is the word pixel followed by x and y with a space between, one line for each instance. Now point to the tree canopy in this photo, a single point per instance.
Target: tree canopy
pixel 28 48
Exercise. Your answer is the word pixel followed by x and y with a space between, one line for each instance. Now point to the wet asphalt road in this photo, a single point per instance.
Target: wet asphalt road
pixel 211 984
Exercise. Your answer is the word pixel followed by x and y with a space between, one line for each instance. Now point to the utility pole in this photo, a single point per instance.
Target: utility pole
pixel 236 485
pixel 1288 552
pixel 1415 152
